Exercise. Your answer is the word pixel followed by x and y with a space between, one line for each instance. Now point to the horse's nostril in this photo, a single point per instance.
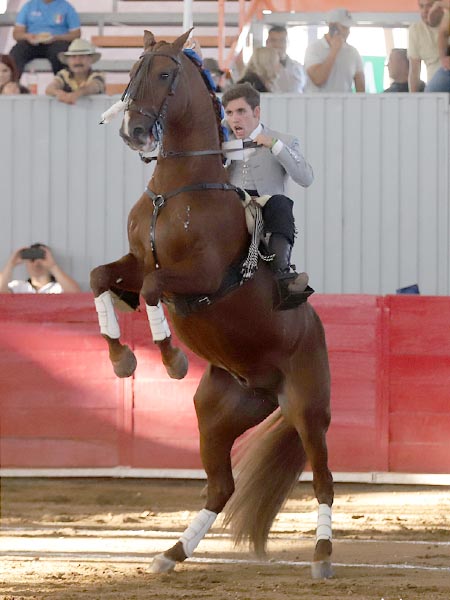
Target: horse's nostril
pixel 139 132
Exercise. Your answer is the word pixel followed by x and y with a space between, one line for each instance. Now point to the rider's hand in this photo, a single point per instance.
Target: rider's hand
pixel 264 140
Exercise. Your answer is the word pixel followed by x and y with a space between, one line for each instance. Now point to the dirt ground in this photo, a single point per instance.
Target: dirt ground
pixel 94 539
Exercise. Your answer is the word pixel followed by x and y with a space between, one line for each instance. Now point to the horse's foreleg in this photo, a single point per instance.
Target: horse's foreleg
pixel 173 358
pixel 308 408
pixel 124 274
pixel 224 411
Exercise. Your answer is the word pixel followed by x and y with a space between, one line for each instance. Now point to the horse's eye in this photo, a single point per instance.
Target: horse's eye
pixel 164 76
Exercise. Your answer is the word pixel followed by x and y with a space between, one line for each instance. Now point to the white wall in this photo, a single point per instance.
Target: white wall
pixel 375 219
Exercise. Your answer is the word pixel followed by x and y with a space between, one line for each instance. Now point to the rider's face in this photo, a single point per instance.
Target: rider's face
pixel 241 118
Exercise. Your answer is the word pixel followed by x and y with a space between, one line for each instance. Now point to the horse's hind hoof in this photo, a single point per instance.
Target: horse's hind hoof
pixel 162 564
pixel 178 365
pixel 321 569
pixel 126 365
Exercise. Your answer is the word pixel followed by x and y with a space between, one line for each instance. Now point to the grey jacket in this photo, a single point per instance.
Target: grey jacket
pixel 271 172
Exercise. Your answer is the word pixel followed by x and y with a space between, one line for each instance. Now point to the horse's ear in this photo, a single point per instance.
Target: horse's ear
pixel 149 39
pixel 179 43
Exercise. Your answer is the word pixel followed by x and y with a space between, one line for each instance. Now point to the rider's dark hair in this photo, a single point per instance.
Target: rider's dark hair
pixel 242 90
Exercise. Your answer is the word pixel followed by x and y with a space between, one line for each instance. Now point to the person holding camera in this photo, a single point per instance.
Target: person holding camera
pixel 45 275
pixel 331 64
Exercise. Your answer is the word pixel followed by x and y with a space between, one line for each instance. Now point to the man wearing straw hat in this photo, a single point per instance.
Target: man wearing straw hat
pixel 78 79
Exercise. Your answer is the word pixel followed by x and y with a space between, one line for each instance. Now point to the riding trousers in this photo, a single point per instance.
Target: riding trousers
pixel 278 216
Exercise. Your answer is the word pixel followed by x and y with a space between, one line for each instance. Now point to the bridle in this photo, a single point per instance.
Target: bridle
pixel 160 116
pixel 159 200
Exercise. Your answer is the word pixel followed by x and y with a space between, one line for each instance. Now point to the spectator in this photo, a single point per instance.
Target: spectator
pixel 262 69
pixel 218 76
pixel 43 29
pixel 79 79
pixel 9 77
pixel 45 275
pixel 423 45
pixel 292 76
pixel 331 64
pixel 398 67
pixel 266 170
pixel 440 81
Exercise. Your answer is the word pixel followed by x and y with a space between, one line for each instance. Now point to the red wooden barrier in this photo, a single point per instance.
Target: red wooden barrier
pixel 62 406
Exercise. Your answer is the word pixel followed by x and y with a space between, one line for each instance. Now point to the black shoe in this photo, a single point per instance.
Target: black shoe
pixel 281 265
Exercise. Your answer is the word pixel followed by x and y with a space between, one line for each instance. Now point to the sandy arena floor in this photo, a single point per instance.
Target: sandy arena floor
pixel 67 539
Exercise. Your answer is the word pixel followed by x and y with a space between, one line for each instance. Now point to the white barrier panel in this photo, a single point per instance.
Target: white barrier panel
pixel 375 219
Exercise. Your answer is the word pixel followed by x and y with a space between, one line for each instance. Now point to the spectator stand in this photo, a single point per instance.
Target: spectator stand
pixel 116 29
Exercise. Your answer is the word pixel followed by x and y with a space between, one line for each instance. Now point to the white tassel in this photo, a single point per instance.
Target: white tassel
pixel 113 111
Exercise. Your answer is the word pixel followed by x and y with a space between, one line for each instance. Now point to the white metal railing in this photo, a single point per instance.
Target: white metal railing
pixel 375 219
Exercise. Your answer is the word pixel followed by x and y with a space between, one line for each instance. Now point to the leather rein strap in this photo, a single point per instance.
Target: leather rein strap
pixel 159 200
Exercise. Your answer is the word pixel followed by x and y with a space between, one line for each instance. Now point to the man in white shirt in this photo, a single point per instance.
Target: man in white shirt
pixel 331 64
pixel 292 77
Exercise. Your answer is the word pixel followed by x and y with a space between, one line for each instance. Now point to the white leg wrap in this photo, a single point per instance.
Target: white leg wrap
pixel 106 316
pixel 197 531
pixel 324 523
pixel 158 322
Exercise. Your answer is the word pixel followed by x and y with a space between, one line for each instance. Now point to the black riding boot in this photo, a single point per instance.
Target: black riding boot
pixel 281 265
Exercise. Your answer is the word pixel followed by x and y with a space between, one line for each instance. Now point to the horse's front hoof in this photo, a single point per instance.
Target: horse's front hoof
pixel 126 365
pixel 321 569
pixel 177 366
pixel 162 564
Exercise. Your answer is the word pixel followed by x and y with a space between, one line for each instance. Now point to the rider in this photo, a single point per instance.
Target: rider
pixel 265 171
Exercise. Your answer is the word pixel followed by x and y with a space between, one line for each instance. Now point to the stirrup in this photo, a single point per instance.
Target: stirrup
pixel 295 282
pixel 288 297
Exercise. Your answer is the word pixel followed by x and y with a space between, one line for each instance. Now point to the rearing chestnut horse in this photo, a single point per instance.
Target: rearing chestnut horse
pixel 188 238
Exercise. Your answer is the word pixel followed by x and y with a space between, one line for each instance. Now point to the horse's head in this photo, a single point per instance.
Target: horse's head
pixel 153 81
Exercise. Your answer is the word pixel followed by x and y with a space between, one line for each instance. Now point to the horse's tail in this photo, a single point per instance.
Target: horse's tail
pixel 266 473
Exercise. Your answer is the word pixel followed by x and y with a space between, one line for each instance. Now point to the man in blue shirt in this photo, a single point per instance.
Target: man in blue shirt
pixel 43 29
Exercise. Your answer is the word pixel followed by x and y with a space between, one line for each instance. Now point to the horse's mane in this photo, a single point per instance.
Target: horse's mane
pixel 139 87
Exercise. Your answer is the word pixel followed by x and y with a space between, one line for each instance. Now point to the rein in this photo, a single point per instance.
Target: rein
pixel 174 154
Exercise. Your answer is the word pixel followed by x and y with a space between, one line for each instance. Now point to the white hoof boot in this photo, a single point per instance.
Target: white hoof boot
pixel 162 564
pixel 321 569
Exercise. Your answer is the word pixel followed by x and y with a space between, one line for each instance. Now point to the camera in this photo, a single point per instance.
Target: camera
pixel 334 30
pixel 32 253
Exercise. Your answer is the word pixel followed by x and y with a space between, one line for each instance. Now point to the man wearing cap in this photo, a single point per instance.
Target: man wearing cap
pixel 78 79
pixel 43 29
pixel 331 64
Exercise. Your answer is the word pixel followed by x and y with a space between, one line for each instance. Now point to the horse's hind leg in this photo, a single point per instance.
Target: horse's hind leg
pixel 224 411
pixel 306 404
